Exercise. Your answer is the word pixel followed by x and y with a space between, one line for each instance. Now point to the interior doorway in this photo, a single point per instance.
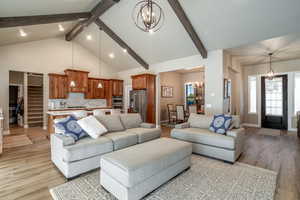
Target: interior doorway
pixel 16 99
pixel 274 94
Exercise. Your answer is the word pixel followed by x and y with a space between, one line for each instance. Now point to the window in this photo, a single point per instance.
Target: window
pixel 274 96
pixel 190 93
pixel 297 93
pixel 252 94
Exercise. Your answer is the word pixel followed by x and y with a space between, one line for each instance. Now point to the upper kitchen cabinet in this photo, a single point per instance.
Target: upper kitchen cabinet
pixel 139 82
pixel 58 86
pixel 94 91
pixel 117 87
pixel 77 80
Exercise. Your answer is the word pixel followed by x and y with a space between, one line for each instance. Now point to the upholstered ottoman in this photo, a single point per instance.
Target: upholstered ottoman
pixel 132 173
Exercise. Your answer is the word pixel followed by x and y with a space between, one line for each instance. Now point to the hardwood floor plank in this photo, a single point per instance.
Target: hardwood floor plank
pixel 27 172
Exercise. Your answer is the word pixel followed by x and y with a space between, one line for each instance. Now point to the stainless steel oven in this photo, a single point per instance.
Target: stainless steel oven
pixel 117 102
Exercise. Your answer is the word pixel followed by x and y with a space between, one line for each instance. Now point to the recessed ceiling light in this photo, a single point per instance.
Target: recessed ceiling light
pixel 22 33
pixel 125 50
pixel 61 28
pixel 89 37
pixel 111 55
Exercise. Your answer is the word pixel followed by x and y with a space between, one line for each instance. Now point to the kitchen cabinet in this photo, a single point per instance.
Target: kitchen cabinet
pixel 117 87
pixel 147 82
pixel 58 86
pixel 93 92
pixel 80 79
pixel 139 82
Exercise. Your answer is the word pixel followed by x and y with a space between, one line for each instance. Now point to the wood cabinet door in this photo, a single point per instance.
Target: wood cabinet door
pixel 89 94
pixel 120 88
pixel 58 86
pixel 80 78
pixel 139 82
pixel 99 93
pixel 108 92
pixel 93 91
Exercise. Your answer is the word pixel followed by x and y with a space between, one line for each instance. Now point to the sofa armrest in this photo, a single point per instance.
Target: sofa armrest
pixel 183 125
pixel 236 132
pixel 62 139
pixel 147 125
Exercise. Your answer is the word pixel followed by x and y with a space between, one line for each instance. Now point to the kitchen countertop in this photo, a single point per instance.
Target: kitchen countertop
pixel 69 111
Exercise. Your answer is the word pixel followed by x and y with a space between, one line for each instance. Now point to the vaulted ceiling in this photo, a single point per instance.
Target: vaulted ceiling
pixel 219 24
pixel 283 48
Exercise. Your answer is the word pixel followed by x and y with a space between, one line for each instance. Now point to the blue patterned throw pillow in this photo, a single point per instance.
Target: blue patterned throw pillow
pixel 220 124
pixel 70 127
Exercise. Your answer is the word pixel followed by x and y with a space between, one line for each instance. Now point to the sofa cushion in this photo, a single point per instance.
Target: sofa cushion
pixel 220 124
pixel 133 165
pixel 132 120
pixel 92 126
pixel 200 121
pixel 146 134
pixel 70 127
pixel 204 136
pixel 87 147
pixel 122 139
pixel 236 122
pixel 111 122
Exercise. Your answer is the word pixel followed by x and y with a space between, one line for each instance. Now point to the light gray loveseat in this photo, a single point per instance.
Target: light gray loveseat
pixel 225 147
pixel 74 158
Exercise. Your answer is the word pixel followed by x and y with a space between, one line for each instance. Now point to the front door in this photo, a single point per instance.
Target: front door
pixel 274 102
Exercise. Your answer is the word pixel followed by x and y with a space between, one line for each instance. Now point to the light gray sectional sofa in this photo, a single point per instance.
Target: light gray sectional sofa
pixel 74 158
pixel 225 147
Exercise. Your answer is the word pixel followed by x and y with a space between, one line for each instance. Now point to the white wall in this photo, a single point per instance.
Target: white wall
pixel 283 67
pixel 213 69
pixel 197 76
pixel 45 56
pixel 172 79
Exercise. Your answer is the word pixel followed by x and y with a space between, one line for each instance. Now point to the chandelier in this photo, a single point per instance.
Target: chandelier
pixel 270 74
pixel 148 16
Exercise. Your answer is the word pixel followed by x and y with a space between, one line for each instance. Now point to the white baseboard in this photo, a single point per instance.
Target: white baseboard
pixel 251 125
pixel 293 129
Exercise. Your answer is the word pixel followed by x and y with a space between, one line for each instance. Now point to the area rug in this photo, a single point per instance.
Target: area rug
pixel 207 179
pixel 16 141
pixel 269 132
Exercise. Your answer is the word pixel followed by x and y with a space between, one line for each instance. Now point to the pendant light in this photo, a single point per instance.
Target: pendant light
pixel 148 16
pixel 270 74
pixel 72 82
pixel 99 51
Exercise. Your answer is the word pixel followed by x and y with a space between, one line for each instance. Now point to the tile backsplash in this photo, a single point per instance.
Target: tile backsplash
pixel 76 99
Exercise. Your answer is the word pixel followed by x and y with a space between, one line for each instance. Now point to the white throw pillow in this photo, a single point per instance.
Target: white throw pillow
pixel 92 126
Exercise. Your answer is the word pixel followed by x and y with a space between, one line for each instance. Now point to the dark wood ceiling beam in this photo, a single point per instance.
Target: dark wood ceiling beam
pixel 96 12
pixel 177 8
pixel 117 39
pixel 6 22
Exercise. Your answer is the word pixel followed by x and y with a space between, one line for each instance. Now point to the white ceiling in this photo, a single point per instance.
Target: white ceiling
pixel 35 32
pixel 220 25
pixel 284 48
pixel 104 46
pixel 13 8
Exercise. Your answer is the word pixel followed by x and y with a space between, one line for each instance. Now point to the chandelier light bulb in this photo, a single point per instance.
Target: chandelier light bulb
pixel 148 15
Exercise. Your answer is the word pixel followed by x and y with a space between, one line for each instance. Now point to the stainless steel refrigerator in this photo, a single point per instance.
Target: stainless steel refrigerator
pixel 138 102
